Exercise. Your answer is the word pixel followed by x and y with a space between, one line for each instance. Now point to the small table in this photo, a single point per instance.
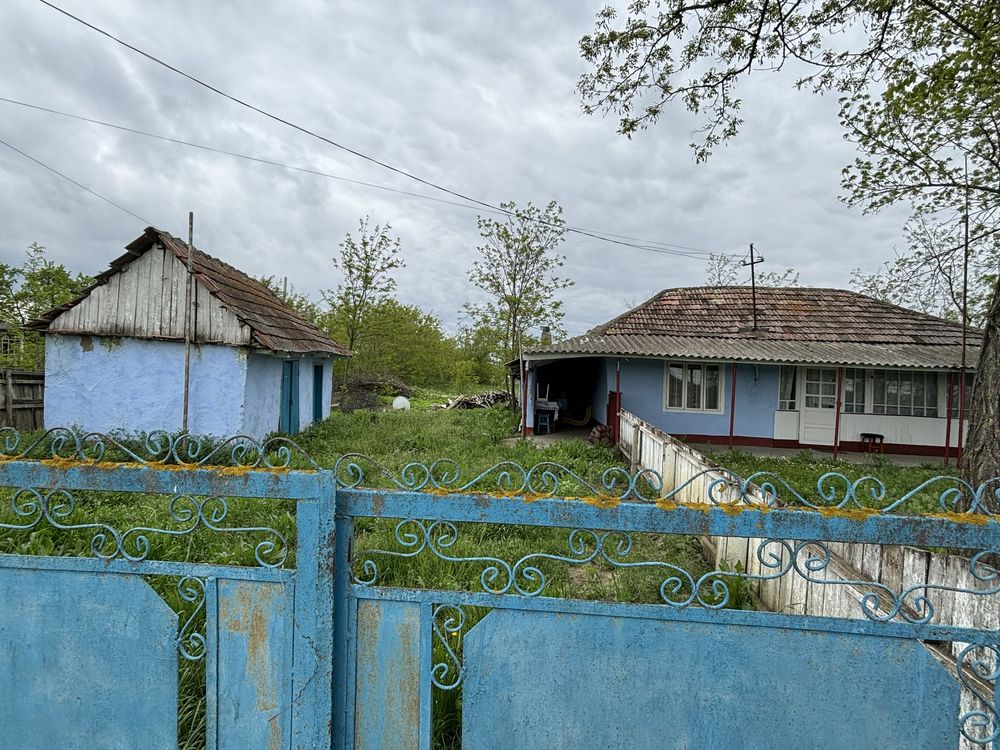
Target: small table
pixel 547 415
pixel 871 439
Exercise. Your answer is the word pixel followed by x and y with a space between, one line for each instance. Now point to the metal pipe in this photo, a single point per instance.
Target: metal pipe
pixel 187 321
pixel 837 408
pixel 947 424
pixel 732 406
pixel 965 325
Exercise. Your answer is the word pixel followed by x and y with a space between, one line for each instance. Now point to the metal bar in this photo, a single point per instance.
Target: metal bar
pixel 312 643
pixel 9 388
pixel 343 634
pixel 188 294
pixel 947 425
pixel 862 625
pixel 146 568
pixel 732 406
pixel 426 663
pixel 976 532
pixel 211 664
pixel 837 407
pixel 258 483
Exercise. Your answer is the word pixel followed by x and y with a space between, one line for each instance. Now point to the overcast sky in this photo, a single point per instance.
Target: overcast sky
pixel 478 97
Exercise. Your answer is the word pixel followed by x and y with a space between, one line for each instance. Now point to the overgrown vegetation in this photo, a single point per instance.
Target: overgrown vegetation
pixel 804 470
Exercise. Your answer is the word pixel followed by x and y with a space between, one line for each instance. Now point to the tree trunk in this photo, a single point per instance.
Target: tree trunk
pixel 981 458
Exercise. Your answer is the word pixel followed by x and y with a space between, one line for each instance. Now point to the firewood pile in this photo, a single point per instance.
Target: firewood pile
pixel 477 401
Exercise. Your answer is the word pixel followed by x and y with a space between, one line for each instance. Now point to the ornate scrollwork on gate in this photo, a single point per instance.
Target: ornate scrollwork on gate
pixel 33 508
pixel 448 621
pixel 976 665
pixel 354 470
pixel 156 447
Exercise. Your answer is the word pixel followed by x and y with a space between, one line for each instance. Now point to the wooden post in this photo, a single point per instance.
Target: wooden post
pixel 9 389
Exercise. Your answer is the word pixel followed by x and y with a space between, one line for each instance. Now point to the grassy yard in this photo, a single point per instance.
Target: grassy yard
pixel 803 471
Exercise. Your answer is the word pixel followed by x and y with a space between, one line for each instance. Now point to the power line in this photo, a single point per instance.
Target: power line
pixel 78 184
pixel 331 142
pixel 649 245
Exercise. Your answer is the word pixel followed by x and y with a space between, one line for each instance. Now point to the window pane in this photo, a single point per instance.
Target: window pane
pixel 786 388
pixel 694 383
pixel 711 386
pixel 830 376
pixel 812 374
pixel 675 386
pixel 812 388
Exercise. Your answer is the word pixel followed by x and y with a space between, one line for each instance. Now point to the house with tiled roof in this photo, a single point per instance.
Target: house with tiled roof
pixel 775 367
pixel 115 355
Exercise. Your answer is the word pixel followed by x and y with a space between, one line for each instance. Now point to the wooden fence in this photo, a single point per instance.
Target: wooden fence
pixel 896 567
pixel 21 399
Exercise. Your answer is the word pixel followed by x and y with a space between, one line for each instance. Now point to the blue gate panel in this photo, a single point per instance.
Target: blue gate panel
pixel 253 665
pixel 85 661
pixel 389 668
pixel 545 681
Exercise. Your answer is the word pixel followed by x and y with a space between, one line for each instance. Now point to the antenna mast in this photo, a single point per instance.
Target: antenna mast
pixel 752 262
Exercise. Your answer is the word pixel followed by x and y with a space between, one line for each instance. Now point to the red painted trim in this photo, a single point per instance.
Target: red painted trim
pixel 732 407
pixel 853 446
pixel 836 416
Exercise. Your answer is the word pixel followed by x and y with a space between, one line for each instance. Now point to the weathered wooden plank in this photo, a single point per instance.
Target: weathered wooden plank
pixel 153 284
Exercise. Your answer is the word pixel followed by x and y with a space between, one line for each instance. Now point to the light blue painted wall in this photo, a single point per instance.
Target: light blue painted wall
pixel 306 388
pixel 103 384
pixel 263 409
pixel 642 394
pixel 263 393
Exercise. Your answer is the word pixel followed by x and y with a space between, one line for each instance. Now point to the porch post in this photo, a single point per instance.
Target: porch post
pixel 524 399
pixel 947 424
pixel 837 408
pixel 732 406
pixel 616 428
pixel 529 403
pixel 961 417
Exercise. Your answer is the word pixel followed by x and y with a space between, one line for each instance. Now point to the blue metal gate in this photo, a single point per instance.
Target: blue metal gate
pixel 497 611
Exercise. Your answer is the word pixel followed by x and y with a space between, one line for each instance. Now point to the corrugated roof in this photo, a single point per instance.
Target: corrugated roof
pixel 273 324
pixel 800 325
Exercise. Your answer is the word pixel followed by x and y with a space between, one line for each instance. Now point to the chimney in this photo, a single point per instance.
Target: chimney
pixel 546 335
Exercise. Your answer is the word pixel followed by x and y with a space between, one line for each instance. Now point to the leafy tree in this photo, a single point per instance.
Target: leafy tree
pixel 301 303
pixel 26 292
pixel 729 270
pixel 518 271
pixel 930 277
pixel 919 86
pixel 367 263
pixel 407 343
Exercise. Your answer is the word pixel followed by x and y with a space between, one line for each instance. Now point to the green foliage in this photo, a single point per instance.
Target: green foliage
pixel 26 292
pixel 299 302
pixel 803 471
pixel 405 342
pixel 727 270
pixel 367 263
pixel 518 272
pixel 930 277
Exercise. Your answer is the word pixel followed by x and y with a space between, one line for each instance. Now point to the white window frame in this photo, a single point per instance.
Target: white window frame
pixel 790 404
pixel 928 411
pixel 690 410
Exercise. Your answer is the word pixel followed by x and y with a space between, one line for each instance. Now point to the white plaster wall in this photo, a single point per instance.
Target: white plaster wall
pixel 102 384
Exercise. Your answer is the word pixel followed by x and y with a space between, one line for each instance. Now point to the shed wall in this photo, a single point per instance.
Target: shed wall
pixel 102 384
pixel 146 300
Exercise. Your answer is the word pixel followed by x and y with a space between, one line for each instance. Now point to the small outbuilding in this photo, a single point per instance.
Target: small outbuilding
pixel 114 357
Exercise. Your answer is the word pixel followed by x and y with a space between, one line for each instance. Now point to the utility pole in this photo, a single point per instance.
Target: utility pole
pixel 752 262
pixel 965 325
pixel 189 293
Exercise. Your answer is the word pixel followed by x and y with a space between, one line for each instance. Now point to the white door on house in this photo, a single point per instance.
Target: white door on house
pixel 818 413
